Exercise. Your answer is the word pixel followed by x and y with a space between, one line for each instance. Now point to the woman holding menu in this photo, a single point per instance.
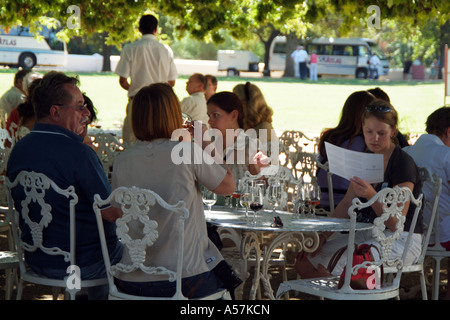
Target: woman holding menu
pixel 379 124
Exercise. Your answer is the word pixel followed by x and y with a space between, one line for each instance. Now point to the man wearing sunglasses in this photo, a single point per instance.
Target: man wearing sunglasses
pixel 55 148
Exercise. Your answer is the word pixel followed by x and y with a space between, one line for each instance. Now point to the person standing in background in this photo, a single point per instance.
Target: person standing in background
pixel 299 56
pixel 313 66
pixel 374 61
pixel 144 61
pixel 406 68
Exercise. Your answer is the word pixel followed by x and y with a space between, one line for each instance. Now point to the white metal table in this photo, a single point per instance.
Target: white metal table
pixel 303 233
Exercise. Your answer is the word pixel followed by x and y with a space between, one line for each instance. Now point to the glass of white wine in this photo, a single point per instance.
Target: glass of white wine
pixel 244 199
pixel 274 195
pixel 209 198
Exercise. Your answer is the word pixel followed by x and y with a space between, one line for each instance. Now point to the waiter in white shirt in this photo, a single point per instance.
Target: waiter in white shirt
pixel 144 61
pixel 374 61
pixel 299 56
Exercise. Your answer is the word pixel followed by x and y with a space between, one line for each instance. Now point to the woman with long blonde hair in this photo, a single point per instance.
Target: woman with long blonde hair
pixel 257 114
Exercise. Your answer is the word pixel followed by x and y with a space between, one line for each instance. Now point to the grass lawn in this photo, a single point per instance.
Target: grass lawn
pixel 304 106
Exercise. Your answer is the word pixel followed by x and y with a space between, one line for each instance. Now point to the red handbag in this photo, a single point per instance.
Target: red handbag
pixel 366 278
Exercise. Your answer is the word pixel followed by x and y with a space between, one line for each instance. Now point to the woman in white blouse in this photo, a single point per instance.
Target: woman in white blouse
pixel 150 164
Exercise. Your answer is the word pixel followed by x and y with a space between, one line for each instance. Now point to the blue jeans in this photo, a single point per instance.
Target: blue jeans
pixel 373 73
pixel 303 70
pixel 93 271
pixel 192 287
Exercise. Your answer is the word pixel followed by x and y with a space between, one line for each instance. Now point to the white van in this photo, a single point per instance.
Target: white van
pixel 19 47
pixel 234 61
pixel 336 56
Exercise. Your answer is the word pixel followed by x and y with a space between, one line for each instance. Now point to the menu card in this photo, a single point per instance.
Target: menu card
pixel 348 164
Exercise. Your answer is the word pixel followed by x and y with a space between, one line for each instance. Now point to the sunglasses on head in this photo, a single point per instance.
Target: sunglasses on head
pixel 383 109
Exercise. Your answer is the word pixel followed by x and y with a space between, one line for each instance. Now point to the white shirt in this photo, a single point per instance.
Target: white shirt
pixel 429 151
pixel 374 61
pixel 146 61
pixel 11 99
pixel 152 166
pixel 195 106
pixel 299 56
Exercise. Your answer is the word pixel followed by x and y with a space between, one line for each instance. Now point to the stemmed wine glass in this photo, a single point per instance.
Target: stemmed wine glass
pixel 256 200
pixel 237 193
pixel 244 191
pixel 314 198
pixel 273 195
pixel 209 198
pixel 301 202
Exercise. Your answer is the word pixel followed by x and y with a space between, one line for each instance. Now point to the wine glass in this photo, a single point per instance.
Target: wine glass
pixel 187 120
pixel 209 198
pixel 237 193
pixel 314 198
pixel 273 195
pixel 244 198
pixel 256 201
pixel 301 202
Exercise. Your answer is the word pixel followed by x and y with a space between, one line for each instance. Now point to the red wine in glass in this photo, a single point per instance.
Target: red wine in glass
pixel 256 206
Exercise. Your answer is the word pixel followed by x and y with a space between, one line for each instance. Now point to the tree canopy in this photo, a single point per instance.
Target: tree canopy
pixel 204 19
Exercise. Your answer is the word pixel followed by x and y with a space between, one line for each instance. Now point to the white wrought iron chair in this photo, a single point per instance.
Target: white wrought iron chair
pixel 306 165
pixel 9 260
pixel 291 143
pixel 136 204
pixel 432 204
pixel 6 141
pixel 437 252
pixel 35 185
pixel 393 200
pixel 4 157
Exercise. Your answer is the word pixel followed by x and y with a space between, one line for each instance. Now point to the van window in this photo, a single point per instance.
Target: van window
pixel 348 51
pixel 311 47
pixel 338 50
pixel 342 50
pixel 279 48
pixel 326 49
pixel 363 51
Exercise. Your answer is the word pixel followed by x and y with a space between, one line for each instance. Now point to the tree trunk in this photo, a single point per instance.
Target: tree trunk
pixel 291 44
pixel 106 50
pixel 267 45
pixel 444 39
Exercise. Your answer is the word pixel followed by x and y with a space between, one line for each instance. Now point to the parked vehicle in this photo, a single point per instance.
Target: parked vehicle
pixel 336 56
pixel 19 47
pixel 234 61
